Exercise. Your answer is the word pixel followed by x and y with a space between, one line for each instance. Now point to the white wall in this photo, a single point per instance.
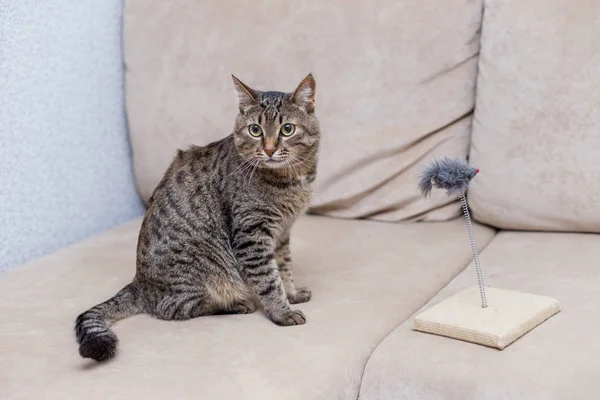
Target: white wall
pixel 65 163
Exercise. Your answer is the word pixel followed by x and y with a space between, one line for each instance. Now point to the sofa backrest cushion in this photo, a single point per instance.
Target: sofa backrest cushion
pixel 536 133
pixel 395 88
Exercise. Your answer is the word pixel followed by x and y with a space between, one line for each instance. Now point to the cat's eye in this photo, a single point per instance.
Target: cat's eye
pixel 288 129
pixel 255 130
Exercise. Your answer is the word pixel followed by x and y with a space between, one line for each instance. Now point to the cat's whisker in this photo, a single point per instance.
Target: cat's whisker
pixel 300 159
pixel 245 164
pixel 298 163
pixel 289 167
pixel 238 169
pixel 254 170
pixel 247 171
pixel 251 170
pixel 293 166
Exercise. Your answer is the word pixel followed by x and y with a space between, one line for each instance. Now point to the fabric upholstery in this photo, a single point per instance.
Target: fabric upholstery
pixel 65 164
pixel 395 88
pixel 558 360
pixel 366 278
pixel 536 133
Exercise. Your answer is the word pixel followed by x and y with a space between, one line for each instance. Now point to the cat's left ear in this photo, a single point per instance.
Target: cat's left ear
pixel 246 95
pixel 304 95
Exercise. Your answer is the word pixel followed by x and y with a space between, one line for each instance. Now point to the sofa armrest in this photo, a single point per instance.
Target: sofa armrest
pixel 65 160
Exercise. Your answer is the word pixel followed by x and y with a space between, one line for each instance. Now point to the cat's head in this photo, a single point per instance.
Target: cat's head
pixel 277 129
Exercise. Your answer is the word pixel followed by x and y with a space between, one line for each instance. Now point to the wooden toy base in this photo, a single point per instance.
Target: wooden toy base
pixel 509 316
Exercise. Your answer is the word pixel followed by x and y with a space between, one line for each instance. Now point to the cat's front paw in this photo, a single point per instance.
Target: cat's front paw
pixel 302 295
pixel 294 317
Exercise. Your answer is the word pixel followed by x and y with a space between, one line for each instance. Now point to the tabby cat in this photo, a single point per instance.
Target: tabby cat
pixel 216 235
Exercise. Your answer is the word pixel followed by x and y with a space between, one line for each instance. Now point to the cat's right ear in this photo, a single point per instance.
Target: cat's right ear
pixel 246 95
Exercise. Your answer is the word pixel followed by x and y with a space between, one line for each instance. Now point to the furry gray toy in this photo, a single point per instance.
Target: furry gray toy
pixel 454 175
pixel 509 314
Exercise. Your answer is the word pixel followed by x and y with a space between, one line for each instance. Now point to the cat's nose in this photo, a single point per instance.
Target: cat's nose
pixel 269 152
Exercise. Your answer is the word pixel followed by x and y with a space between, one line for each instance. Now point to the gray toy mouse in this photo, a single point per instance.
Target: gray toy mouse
pixel 454 176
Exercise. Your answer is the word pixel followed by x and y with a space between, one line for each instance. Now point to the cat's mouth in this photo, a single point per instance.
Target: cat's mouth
pixel 273 163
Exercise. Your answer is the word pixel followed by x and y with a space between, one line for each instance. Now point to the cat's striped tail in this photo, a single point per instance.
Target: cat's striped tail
pixel 92 328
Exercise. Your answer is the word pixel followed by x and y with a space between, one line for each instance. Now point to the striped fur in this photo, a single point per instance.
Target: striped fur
pixel 215 236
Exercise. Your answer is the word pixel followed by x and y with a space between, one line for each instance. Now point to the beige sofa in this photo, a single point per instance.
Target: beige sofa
pixel 397 83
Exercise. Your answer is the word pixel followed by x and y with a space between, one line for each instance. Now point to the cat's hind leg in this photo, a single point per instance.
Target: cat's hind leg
pixel 195 291
pixel 231 295
pixel 183 304
pixel 217 296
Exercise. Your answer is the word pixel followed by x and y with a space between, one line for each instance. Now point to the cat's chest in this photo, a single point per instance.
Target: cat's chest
pixel 292 204
pixel 291 201
pixel 297 197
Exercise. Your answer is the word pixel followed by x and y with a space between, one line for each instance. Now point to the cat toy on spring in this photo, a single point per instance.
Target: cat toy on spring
pixel 492 316
pixel 454 176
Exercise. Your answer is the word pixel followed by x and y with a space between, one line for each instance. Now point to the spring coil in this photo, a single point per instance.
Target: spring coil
pixel 465 208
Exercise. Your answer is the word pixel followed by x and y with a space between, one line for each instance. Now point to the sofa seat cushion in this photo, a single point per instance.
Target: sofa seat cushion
pixel 366 278
pixel 559 359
